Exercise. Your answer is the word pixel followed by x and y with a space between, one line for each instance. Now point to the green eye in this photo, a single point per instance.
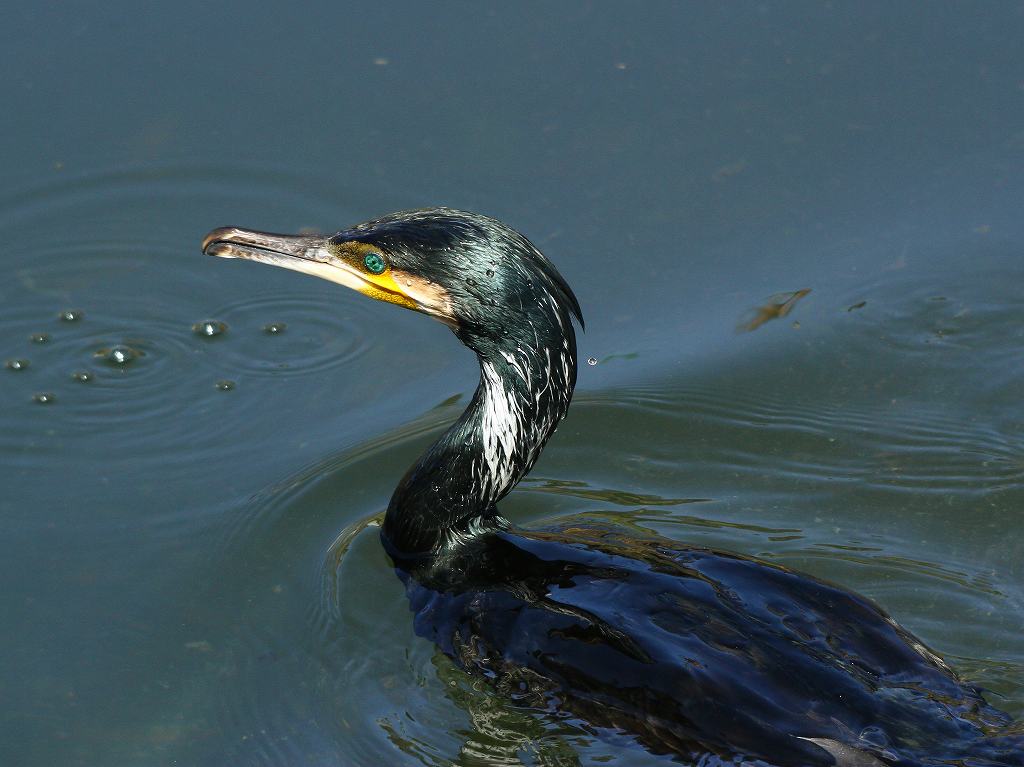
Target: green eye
pixel 374 263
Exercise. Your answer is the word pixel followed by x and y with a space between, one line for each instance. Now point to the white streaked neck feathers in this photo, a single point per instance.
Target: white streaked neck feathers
pixel 451 491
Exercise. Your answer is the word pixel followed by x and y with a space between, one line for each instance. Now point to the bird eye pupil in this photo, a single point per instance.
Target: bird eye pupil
pixel 374 263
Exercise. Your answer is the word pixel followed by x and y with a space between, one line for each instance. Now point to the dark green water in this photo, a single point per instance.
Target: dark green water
pixel 188 573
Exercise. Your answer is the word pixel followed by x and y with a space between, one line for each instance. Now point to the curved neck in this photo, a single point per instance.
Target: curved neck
pixel 450 493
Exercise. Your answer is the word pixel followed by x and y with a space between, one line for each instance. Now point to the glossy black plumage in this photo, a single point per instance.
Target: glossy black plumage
pixel 699 654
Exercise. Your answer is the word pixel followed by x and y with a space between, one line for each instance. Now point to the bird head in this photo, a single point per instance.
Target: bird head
pixel 478 276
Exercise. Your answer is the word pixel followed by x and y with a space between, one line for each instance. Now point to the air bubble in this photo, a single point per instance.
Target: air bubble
pixel 209 328
pixel 591 361
pixel 82 376
pixel 490 272
pixel 408 282
pixel 118 356
pixel 273 328
pixel 44 398
pixel 71 315
pixel 16 364
pixel 39 338
pixel 224 385
pixel 470 281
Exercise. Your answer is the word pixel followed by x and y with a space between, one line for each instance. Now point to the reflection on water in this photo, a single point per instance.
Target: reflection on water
pixel 617 497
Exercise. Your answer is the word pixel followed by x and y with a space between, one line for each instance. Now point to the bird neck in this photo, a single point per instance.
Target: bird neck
pixel 449 494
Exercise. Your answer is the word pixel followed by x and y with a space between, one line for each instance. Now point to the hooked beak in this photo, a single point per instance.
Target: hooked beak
pixel 314 254
pixel 300 253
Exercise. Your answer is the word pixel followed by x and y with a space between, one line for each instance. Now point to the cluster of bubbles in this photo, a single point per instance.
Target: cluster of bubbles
pixel 120 356
pixel 19 364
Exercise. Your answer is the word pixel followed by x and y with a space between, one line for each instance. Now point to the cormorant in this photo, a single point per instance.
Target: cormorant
pixel 696 653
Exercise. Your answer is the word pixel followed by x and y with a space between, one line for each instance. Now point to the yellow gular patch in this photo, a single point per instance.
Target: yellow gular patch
pixel 384 288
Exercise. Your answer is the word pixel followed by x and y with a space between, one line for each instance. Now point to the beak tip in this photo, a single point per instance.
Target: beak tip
pixel 215 236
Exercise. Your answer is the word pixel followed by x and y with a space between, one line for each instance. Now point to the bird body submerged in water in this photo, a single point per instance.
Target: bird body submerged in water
pixel 694 653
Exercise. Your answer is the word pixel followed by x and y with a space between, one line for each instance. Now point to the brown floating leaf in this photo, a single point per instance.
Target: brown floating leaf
pixel 778 306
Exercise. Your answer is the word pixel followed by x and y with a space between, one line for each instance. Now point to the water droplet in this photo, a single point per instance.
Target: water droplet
pixel 16 364
pixel 83 376
pixel 408 282
pixel 273 328
pixel 209 328
pixel 591 361
pixel 39 338
pixel 490 272
pixel 44 398
pixel 470 281
pixel 224 385
pixel 118 355
pixel 71 315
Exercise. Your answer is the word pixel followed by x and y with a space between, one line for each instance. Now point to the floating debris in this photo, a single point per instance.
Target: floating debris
pixel 119 356
pixel 71 315
pixel 44 398
pixel 730 170
pixel 860 305
pixel 224 385
pixel 778 306
pixel 273 328
pixel 209 328
pixel 16 364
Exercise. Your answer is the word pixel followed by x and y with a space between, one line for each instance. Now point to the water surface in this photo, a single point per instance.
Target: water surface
pixel 192 573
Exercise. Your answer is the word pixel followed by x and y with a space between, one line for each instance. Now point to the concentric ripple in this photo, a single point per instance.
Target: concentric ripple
pixel 98 314
pixel 313 330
